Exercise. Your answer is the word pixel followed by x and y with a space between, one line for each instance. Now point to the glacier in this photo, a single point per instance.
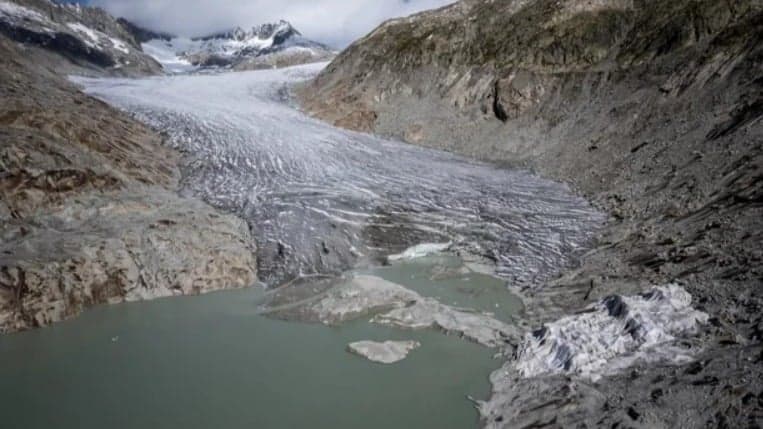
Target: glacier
pixel 319 199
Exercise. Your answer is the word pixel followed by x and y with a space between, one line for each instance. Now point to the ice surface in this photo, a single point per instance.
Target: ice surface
pixel 361 295
pixel 429 313
pixel 398 306
pixel 386 352
pixel 613 335
pixel 419 251
pixel 316 197
pixel 119 45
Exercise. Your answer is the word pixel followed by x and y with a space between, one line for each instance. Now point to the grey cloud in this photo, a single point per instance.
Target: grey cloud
pixel 336 22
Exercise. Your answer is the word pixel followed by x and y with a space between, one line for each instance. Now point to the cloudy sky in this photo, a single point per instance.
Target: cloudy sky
pixel 335 22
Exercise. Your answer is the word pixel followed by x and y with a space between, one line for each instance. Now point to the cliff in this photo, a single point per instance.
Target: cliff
pixel 74 39
pixel 89 212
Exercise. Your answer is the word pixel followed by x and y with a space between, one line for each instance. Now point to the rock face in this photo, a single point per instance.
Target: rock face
pixel 651 109
pixel 88 208
pixel 74 39
pixel 387 352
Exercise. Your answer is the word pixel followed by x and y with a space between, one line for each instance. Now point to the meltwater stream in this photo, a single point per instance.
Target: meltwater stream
pixel 321 200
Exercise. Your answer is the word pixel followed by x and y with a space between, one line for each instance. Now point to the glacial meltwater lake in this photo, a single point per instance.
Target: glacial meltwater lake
pixel 214 361
pixel 319 201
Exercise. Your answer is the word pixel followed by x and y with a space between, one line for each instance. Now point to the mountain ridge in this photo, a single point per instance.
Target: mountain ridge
pixel 83 40
pixel 267 45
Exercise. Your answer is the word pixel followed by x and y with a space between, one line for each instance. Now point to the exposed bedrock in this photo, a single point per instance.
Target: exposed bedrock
pixel 88 208
pixel 74 39
pixel 653 111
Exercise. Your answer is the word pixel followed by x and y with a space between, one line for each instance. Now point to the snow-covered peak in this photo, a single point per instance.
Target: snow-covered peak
pixel 258 37
pixel 281 29
pixel 239 34
pixel 237 46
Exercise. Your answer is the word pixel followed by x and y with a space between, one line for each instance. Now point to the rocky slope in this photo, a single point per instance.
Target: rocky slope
pixel 653 111
pixel 264 46
pixel 74 39
pixel 89 212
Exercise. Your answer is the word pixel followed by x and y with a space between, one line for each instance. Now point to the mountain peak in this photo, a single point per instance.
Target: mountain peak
pixel 238 47
pixel 277 31
pixel 272 30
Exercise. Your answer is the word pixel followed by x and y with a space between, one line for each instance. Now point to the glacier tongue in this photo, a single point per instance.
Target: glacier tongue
pixel 320 199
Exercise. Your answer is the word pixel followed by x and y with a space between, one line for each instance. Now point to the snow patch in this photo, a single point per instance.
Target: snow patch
pixel 75 7
pixel 87 32
pixel 96 39
pixel 612 335
pixel 12 10
pixel 386 352
pixel 419 251
pixel 119 45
